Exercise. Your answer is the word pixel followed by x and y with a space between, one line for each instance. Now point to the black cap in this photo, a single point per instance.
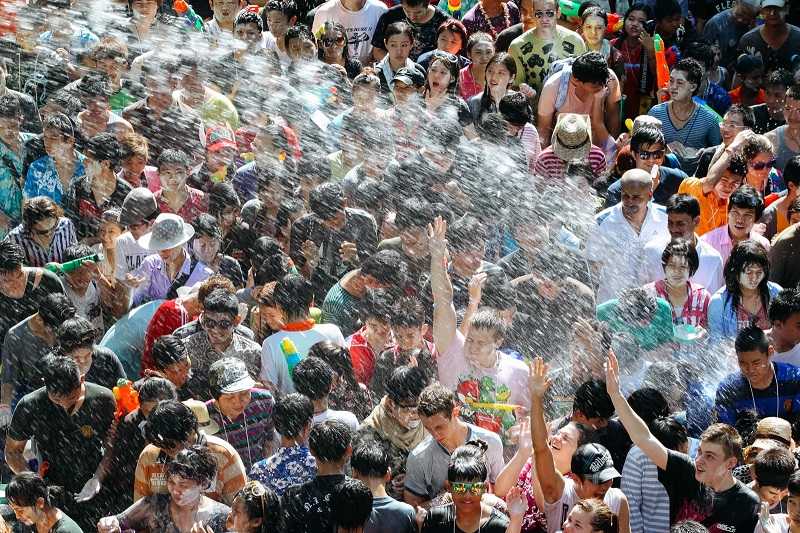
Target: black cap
pixel 594 462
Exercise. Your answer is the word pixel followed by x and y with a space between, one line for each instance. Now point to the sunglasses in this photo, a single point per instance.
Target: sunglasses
pixel 655 154
pixel 544 14
pixel 209 323
pixel 476 489
pixel 330 42
pixel 43 232
pixel 761 165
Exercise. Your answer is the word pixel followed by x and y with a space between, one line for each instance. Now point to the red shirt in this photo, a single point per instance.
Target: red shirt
pixel 736 96
pixel 195 204
pixel 362 355
pixel 169 316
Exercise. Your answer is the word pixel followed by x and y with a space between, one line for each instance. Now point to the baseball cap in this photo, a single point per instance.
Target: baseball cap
pixel 409 76
pixel 219 137
pixel 593 462
pixel 773 3
pixel 229 375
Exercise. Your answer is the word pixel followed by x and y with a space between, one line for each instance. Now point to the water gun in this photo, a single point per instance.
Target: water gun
pixel 569 8
pixel 193 20
pixel 127 398
pixel 69 266
pixel 290 353
pixel 662 68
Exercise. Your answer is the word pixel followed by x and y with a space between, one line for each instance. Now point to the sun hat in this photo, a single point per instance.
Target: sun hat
pixel 572 137
pixel 229 375
pixel 138 205
pixel 771 431
pixel 204 422
pixel 168 231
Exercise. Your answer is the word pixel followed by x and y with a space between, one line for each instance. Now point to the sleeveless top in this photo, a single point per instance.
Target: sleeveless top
pixel 782 152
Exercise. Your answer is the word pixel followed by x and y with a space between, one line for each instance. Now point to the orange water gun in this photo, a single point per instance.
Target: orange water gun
pixel 662 68
pixel 127 398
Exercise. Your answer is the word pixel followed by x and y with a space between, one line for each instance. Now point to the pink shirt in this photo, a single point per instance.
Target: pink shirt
pixel 549 166
pixel 467 86
pixel 720 240
pixel 195 204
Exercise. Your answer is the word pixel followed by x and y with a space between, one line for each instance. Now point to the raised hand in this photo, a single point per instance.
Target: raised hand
pixel 538 382
pixel 516 502
pixel 476 284
pixel 612 374
pixel 437 237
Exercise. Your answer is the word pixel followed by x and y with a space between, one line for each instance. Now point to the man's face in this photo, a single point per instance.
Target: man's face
pixel 754 80
pixel 56 144
pixel 439 426
pixel 771 495
pixel 468 257
pixel 220 158
pixel 634 199
pixel 415 14
pixel 773 15
pixel 679 86
pixel 43 231
pixel 96 105
pixel 743 15
pixel 234 404
pixel 414 240
pixel 774 97
pixel 140 228
pixel 480 346
pixel 791 111
pixel 731 125
pixel 224 10
pixel 219 327
pixel 278 24
pixel 593 490
pixel 30 516
pixel 364 97
pixel 205 248
pixel 740 221
pixel 403 93
pixel 408 337
pixel 160 84
pixel 405 412
pixel 545 13
pixel 80 278
pixel 178 373
pixel 248 34
pixel 10 125
pixel 788 329
pixel 728 183
pixel 681 225
pixel 95 169
pixel 794 508
pixel 670 25
pixel 66 401
pixel 301 49
pixel 377 333
pixel 649 155
pixel 711 465
pixel 755 366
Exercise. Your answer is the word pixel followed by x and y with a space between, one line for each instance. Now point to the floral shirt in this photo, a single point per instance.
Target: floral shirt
pixel 43 180
pixel 11 166
pixel 289 466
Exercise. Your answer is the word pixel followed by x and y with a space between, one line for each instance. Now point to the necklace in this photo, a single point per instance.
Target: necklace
pixel 506 19
pixel 675 112
pixel 777 393
pixel 246 432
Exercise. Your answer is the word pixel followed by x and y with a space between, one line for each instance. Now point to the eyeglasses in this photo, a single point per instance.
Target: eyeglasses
pixel 476 489
pixel 544 14
pixel 209 323
pixel 761 165
pixel 644 155
pixel 43 232
pixel 330 42
pixel 731 125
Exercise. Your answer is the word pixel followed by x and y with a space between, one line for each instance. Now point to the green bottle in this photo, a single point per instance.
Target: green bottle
pixel 69 266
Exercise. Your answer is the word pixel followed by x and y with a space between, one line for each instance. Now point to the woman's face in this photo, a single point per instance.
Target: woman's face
pixel 398 47
pixel 481 53
pixel 758 169
pixel 43 231
pixel 108 233
pixel 634 24
pixel 498 76
pixel 676 271
pixel 752 276
pixel 563 445
pixel 232 405
pixel 333 43
pixel 593 31
pixel 578 522
pixel 239 521
pixel 57 144
pixel 184 492
pixel 449 41
pixel 439 77
pixel 272 316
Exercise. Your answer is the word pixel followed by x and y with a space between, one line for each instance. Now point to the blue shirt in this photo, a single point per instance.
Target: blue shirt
pixel 735 396
pixel 126 337
pixel 700 131
pixel 11 167
pixel 43 180
pixel 289 466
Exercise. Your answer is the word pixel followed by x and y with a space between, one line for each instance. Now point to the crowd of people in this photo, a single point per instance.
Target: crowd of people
pixel 380 266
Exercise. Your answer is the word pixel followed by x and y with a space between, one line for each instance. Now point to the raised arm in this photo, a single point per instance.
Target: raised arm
pixel 550 478
pixel 635 426
pixel 719 166
pixel 444 314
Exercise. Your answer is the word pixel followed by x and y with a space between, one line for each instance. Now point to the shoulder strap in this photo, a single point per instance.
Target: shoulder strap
pixel 563 86
pixel 180 279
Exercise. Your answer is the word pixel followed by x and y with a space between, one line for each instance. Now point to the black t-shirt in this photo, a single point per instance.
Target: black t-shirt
pixel 442 520
pixel 106 368
pixel 81 206
pixel 307 507
pixel 505 37
pixel 764 122
pixel 425 37
pixel 14 310
pixel 72 445
pixel 733 511
pixel 705 9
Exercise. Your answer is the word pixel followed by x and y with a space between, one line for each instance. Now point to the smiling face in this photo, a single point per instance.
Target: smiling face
pixel 676 271
pixel 278 23
pixel 578 521
pixel 563 444
pixel 732 123
pixel 728 183
pixel 219 327
pixel 650 155
pixel 758 169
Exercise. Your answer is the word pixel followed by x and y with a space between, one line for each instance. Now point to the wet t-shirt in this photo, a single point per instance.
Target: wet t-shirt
pixel 425 36
pixel 442 520
pixel 732 511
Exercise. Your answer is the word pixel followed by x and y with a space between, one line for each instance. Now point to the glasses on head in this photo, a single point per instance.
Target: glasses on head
pixel 441 54
pixel 210 323
pixel 731 126
pixel 761 165
pixel 476 489
pixel 326 41
pixel 644 155
pixel 548 13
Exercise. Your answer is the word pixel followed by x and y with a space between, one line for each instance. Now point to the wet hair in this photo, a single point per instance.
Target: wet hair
pixel 688 526
pixel 455 26
pixel 39 208
pixel 207 226
pixel 515 107
pixel 499 294
pixel 752 339
pixel 338 357
pixel 386 266
pixel 603 518
pixel 465 232
pixel 779 78
pixel 738 166
pixel 436 399
pixel 77 251
pixel 785 304
pixel 293 294
pixel 95 84
pixel 246 16
pixel 773 467
pixel 406 383
pixel 221 301
pixel 407 312
pixel 593 400
pixel 76 332
pixel 413 212
pixel 367 77
pixel 478 37
pixel 67 101
pixel 329 440
pixel 299 31
pixel 55 308
pixel 748 117
pixel 398 28
pixel 285 7
pixel 757 144
pixel 291 414
pixel 173 156
pixel 261 503
pixel 212 283
pixel 693 70
pixel 791 172
pixel 156 389
pixel 168 350
pixel 647 135
pixel 794 484
pixel 313 377
pixel 745 253
pixel 793 92
pixel 10 107
pixel 60 374
pixel 489 319
pixel 25 489
pixel 170 423
pixel 747 197
pixel 594 11
pixel 591 67
pixel 377 304
pixel 669 432
pixel 222 196
pixel 648 404
pixel 701 51
pixel 351 504
pixel 666 8
pixel 727 437
pixel 681 248
pixel 326 200
pixel 11 256
pixel 468 462
pixel 684 204
pixel 636 305
pixel 370 458
pixel 195 463
pixel 104 147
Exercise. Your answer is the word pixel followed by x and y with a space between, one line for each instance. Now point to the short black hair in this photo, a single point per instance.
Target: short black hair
pixel 104 147
pixel 413 212
pixel 293 294
pixel 195 463
pixel 62 123
pixel 386 266
pixel 785 304
pixel 60 374
pixel 515 108
pixel 701 51
pixel 738 165
pixel 168 350
pixel 26 488
pixel 77 251
pixel 406 384
pixel 95 84
pixel 591 67
pixel 329 440
pixel 779 78
pixel 468 462
pixel 11 256
pixel 407 312
pixel 286 7
pixel 773 467
pixel 592 400
pixel 313 377
pixel 681 248
pixel 55 308
pixel 170 423
pixel 76 332
pixel 338 357
pixel 299 31
pixel 370 458
pixel 207 226
pixel 794 484
pixel 466 231
pixel 751 338
pixel 172 156
pixel 747 197
pixel 221 301
pixel 666 8
pixel 683 204
pixel 291 414
pixel 791 172
pixel 156 389
pixel 488 319
pixel 688 526
pixel 649 404
pixel 692 68
pixel 351 504
pixel 647 134
pixel 246 16
pixel 498 293
pixel 748 117
pixel 377 303
pixel 222 196
pixel 326 199
pixel 669 432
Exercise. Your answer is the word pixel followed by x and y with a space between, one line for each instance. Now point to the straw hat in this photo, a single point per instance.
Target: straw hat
pixel 572 137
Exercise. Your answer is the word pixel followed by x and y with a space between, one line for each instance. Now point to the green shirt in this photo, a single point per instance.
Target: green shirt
pixel 648 337
pixel 534 55
pixel 65 525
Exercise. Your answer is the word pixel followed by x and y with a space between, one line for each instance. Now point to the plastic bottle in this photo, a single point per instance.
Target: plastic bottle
pixel 127 398
pixel 662 68
pixel 69 266
pixel 569 8
pixel 290 353
pixel 186 11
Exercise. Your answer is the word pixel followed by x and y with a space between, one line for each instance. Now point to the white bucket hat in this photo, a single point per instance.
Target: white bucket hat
pixel 168 231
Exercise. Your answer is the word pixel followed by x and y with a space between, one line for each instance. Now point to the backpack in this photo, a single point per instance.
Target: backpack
pixel 557 67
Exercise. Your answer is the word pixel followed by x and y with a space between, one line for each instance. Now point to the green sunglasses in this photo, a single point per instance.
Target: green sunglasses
pixel 477 488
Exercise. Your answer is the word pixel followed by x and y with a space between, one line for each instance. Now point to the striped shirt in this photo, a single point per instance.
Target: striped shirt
pixel 35 254
pixel 694 311
pixel 647 497
pixel 550 167
pixel 252 432
pixel 700 131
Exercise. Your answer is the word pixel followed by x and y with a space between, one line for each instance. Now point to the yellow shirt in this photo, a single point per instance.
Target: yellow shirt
pixel 534 55
pixel 713 210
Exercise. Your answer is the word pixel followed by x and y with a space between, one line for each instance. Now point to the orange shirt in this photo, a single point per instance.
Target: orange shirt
pixel 713 210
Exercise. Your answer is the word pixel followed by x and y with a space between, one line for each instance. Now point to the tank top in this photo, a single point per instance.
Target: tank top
pixel 782 152
pixel 556 513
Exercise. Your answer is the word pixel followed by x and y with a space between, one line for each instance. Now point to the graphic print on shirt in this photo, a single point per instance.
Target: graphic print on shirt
pixel 474 392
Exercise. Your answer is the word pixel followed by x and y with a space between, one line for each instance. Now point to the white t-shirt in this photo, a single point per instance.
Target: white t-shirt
pixel 343 416
pixel 556 513
pixel 792 356
pixel 129 255
pixel 87 306
pixel 268 42
pixel 360 25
